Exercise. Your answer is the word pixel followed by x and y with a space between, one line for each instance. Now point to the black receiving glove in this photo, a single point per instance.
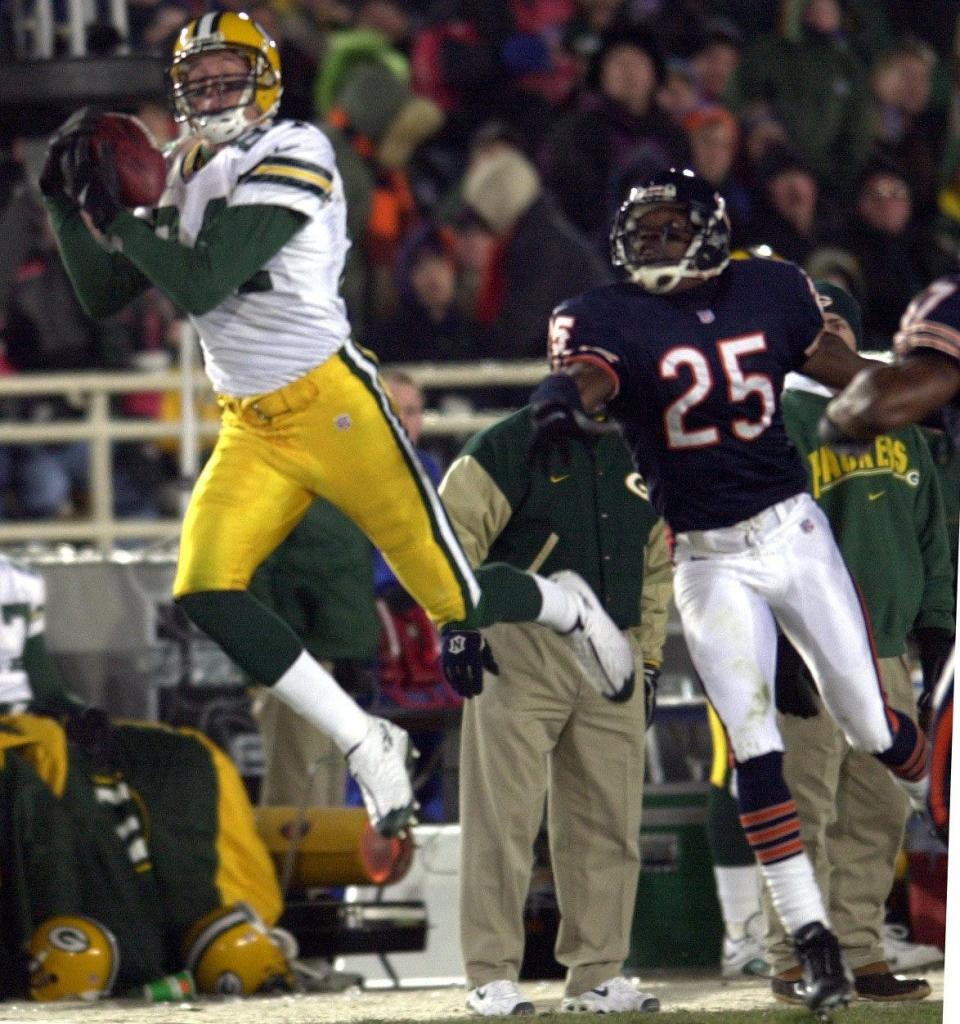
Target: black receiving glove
pixel 934 645
pixel 464 655
pixel 68 154
pixel 795 692
pixel 558 417
pixel 101 189
pixel 651 676
pixel 832 435
pixel 90 729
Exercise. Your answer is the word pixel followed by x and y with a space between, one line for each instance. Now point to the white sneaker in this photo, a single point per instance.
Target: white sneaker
pixel 616 995
pixel 903 955
pixel 498 999
pixel 601 649
pixel 381 763
pixel 745 957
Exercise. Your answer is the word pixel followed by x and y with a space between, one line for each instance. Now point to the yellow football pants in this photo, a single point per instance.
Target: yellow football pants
pixel 331 433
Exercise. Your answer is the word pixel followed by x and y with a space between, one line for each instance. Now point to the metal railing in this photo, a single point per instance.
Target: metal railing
pixel 38 24
pixel 101 427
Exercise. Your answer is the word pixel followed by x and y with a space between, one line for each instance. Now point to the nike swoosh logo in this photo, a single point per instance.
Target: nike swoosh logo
pixel 877 494
pixel 601 991
pixel 557 479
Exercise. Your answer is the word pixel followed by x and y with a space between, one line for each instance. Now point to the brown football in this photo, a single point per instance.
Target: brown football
pixel 141 167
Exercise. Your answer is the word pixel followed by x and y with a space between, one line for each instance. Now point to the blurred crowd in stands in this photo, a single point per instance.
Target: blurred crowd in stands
pixel 485 144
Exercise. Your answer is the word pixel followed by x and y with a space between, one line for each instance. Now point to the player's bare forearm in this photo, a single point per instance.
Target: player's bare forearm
pixel 884 398
pixel 832 362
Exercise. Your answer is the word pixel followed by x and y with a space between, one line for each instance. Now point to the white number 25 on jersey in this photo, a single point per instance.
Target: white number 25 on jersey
pixel 740 386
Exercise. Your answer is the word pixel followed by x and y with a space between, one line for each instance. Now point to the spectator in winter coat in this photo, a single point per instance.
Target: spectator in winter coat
pixel 538 259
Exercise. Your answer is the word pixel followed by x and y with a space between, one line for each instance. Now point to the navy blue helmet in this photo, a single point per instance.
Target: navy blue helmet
pixel 646 254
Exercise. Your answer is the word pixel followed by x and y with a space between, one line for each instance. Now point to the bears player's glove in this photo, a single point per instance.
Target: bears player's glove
pixel 934 645
pixel 68 153
pixel 794 689
pixel 651 676
pixel 558 416
pixel 464 655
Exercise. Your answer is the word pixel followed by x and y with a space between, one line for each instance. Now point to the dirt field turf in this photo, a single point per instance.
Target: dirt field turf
pixel 686 998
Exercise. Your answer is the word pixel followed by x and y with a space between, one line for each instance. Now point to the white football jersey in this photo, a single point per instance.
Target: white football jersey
pixel 289 317
pixel 22 598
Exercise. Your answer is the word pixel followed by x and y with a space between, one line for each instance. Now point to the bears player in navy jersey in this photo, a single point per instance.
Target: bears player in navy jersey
pixel 688 356
pixel 923 385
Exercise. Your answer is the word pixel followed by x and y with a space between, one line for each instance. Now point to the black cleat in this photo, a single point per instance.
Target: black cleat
pixel 827 980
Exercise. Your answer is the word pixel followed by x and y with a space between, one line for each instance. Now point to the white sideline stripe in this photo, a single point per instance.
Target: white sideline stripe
pixel 439 512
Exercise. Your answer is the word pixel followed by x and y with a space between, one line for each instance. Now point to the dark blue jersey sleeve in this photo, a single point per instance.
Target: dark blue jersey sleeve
pixel 583 330
pixel 804 320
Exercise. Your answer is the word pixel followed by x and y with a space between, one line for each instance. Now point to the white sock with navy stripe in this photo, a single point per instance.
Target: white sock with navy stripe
pixel 795 893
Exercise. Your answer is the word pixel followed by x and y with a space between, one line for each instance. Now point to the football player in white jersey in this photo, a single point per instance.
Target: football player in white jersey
pixel 249 238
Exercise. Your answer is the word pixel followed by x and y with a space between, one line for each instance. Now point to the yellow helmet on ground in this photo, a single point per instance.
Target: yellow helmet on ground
pixel 231 952
pixel 259 86
pixel 72 957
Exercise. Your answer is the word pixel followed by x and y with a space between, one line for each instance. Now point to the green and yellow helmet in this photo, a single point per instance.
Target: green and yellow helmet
pixel 71 957
pixel 230 951
pixel 259 86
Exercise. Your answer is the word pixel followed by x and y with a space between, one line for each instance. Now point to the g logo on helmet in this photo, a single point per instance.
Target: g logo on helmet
pixel 71 957
pixel 69 938
pixel 230 952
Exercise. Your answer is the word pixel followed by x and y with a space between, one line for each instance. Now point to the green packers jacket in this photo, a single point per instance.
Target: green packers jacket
pixel 592 515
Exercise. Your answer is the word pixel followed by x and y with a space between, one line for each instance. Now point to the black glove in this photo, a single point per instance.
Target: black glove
pixel 101 189
pixel 67 153
pixel 934 645
pixel 651 676
pixel 558 417
pixel 90 729
pixel 832 435
pixel 794 689
pixel 465 654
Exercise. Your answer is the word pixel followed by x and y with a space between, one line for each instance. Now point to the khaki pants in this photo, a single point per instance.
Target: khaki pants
pixel 540 731
pixel 303 767
pixel 852 817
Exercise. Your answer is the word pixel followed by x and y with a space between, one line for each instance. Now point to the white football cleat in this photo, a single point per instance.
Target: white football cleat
pixel 616 995
pixel 381 764
pixel 602 651
pixel 498 999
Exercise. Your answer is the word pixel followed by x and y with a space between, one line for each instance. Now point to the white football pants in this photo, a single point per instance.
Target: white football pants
pixel 731 583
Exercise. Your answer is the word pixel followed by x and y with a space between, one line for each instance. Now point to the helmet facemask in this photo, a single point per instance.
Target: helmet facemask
pixel 253 84
pixel 649 253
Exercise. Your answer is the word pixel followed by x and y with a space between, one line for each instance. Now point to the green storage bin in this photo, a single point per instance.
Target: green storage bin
pixel 676 920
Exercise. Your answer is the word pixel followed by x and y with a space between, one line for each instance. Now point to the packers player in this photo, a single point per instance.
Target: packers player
pixel 249 238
